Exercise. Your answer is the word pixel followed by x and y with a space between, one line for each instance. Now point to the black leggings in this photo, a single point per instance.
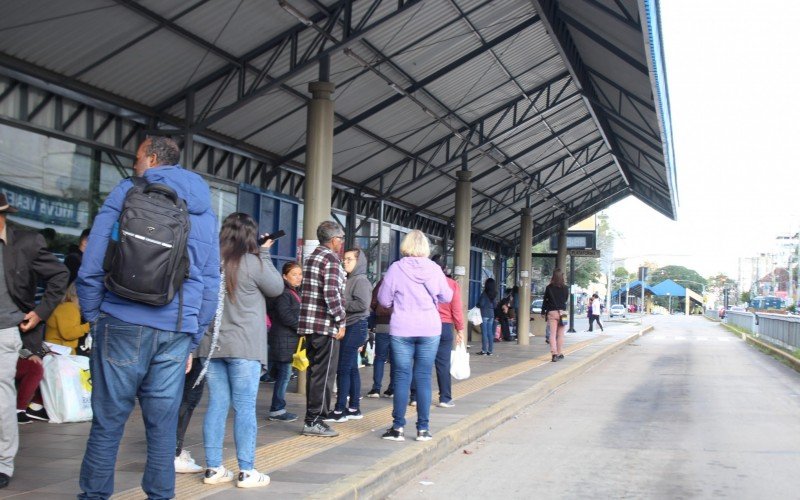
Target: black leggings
pixel 592 319
pixel 191 397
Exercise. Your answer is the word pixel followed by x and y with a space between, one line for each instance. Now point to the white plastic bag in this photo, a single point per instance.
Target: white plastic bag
pixel 474 316
pixel 459 362
pixel 67 388
pixel 370 352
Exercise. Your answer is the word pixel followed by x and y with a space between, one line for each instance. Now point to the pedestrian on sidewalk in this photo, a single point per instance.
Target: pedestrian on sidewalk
pixel 236 353
pixel 452 319
pixel 594 312
pixel 284 312
pixel 141 350
pixel 487 303
pixel 413 287
pixel 322 321
pixel 357 298
pixel 192 394
pixel 382 347
pixel 553 307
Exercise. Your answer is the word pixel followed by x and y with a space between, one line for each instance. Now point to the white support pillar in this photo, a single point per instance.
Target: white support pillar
pixel 525 264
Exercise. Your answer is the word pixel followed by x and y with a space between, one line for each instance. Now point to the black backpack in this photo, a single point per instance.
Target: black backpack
pixel 147 259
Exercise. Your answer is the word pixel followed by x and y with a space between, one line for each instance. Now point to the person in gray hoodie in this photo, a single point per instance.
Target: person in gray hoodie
pixel 357 299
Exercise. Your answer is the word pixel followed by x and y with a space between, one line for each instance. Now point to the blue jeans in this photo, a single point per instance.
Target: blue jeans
pixel 413 354
pixel 442 363
pixel 130 361
pixel 487 335
pixel 232 379
pixel 283 373
pixel 348 381
pixel 383 352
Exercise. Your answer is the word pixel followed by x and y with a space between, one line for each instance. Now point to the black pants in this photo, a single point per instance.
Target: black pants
pixel 191 398
pixel 505 331
pixel 592 319
pixel 323 360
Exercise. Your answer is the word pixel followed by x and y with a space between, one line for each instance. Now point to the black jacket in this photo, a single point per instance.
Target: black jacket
pixel 25 260
pixel 555 298
pixel 284 312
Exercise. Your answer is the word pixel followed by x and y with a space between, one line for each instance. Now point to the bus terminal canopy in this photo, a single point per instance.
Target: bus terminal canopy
pixel 557 105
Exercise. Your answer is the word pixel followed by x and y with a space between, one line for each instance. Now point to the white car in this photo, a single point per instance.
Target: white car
pixel 536 306
pixel 616 310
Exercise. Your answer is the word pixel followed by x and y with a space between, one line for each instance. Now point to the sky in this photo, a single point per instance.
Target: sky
pixel 733 73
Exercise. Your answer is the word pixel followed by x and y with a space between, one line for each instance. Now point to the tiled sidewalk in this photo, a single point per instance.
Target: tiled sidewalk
pixel 48 462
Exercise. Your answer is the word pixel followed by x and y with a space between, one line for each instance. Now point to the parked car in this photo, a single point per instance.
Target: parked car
pixel 536 306
pixel 617 310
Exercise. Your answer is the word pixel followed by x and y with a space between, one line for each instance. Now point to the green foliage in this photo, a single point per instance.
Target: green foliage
pixel 685 277
pixel 587 270
pixel 745 297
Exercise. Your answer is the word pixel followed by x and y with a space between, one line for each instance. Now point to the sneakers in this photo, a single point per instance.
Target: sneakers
pixel 217 475
pixel 560 356
pixel 251 479
pixel 388 393
pixel 446 404
pixel 283 417
pixel 393 434
pixel 23 418
pixel 336 416
pixel 374 394
pixel 412 403
pixel 40 414
pixel 319 429
pixel 354 414
pixel 555 358
pixel 185 464
pixel 424 435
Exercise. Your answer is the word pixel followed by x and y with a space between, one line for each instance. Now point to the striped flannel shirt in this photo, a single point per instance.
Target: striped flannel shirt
pixel 322 294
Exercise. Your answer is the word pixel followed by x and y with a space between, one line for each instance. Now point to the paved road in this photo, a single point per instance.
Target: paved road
pixel 688 411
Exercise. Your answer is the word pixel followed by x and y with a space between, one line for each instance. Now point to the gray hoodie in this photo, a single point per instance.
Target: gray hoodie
pixel 357 292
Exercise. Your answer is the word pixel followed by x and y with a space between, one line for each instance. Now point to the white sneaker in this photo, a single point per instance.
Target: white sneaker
pixel 446 404
pixel 218 475
pixel 252 479
pixel 185 464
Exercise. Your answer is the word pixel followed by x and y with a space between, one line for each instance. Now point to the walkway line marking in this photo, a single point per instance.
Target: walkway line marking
pixel 277 455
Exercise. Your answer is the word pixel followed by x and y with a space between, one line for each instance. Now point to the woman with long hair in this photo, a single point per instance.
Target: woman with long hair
pixel 413 287
pixel 284 312
pixel 236 358
pixel 553 306
pixel 487 303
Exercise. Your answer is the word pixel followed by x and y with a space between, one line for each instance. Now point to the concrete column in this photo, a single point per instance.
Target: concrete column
pixel 462 237
pixel 525 264
pixel 318 186
pixel 561 255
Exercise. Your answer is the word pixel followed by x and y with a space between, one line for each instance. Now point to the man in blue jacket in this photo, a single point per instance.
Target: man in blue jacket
pixel 137 352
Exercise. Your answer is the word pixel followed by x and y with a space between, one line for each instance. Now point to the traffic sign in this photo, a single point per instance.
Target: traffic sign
pixel 583 252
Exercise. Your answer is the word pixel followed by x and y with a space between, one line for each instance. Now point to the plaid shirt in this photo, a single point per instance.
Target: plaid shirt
pixel 322 301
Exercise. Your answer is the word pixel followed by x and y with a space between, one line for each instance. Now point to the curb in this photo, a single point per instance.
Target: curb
pixel 382 478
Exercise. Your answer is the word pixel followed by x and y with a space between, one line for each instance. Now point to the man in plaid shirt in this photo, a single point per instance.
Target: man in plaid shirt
pixel 322 322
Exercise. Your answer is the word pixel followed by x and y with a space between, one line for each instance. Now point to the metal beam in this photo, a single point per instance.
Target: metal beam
pixel 562 40
pixel 527 23
pixel 297 65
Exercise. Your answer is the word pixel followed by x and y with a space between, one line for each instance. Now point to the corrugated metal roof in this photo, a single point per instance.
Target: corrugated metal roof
pixel 380 130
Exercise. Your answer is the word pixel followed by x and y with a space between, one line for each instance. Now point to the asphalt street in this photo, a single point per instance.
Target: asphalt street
pixel 687 411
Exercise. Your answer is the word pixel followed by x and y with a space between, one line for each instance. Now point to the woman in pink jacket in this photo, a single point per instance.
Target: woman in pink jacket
pixel 413 287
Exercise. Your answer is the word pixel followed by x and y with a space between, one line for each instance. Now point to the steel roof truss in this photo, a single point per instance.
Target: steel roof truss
pixel 559 34
pixel 497 117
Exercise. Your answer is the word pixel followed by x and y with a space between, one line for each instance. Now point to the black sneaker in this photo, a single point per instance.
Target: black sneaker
pixel 555 358
pixel 353 414
pixel 388 393
pixel 393 434
pixel 424 435
pixel 40 414
pixel 336 416
pixel 560 356
pixel 23 418
pixel 374 394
